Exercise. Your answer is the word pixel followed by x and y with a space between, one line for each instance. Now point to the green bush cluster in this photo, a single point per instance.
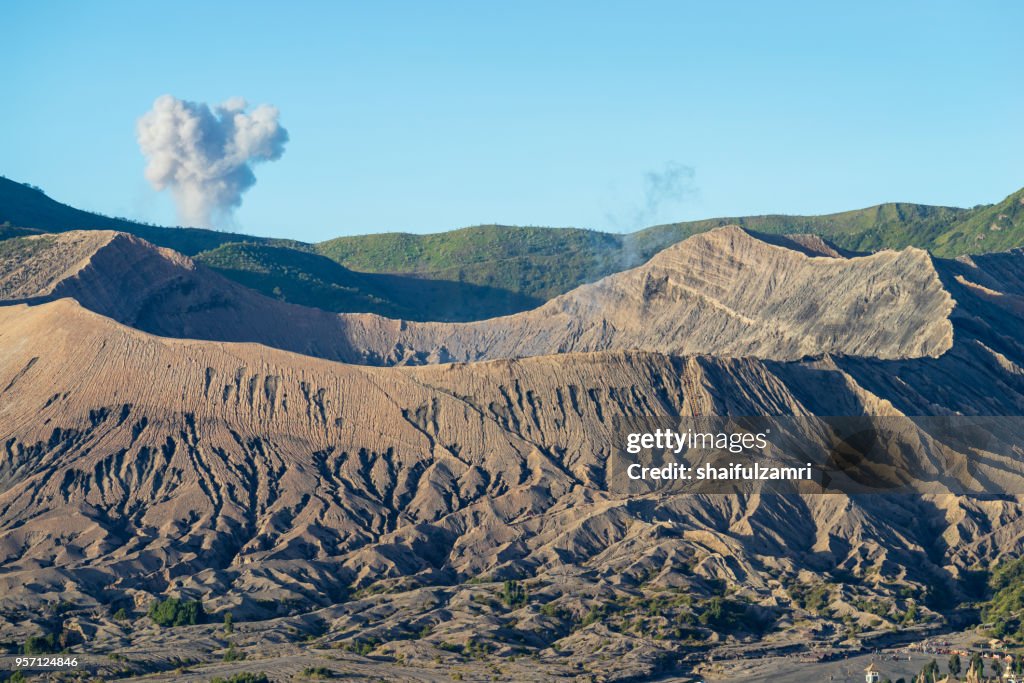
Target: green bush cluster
pixel 362 646
pixel 815 598
pixel 40 645
pixel 674 615
pixel 1005 610
pixel 245 677
pixel 232 654
pixel 175 612
pixel 513 594
pixel 552 610
pixel 477 648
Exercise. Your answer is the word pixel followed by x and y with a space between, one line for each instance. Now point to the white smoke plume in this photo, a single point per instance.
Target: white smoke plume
pixel 671 185
pixel 205 156
pixel 663 189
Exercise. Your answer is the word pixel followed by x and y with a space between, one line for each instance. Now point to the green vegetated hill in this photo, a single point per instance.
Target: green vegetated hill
pixel 543 262
pixel 995 227
pixel 25 208
pixel 309 278
pixel 878 227
pixel 492 270
pixel 537 262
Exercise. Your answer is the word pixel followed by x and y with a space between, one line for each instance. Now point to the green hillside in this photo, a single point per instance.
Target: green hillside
pixel 24 206
pixel 310 279
pixel 884 226
pixel 997 227
pixel 290 274
pixel 1004 612
pixel 490 270
pixel 545 262
pixel 538 262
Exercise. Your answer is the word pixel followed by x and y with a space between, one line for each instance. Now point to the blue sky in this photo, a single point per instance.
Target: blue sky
pixel 425 116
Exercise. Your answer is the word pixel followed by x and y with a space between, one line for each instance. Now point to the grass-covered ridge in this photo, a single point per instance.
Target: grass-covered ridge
pixel 308 278
pixel 27 208
pixel 537 262
pixel 490 270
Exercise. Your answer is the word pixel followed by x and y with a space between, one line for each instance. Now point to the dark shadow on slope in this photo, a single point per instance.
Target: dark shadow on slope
pixel 807 244
pixel 309 279
pixel 981 374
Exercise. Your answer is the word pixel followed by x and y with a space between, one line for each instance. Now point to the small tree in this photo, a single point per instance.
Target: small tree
pixel 911 614
pixel 40 645
pixel 954 664
pixel 229 627
pixel 232 654
pixel 513 594
pixel 713 613
pixel 930 672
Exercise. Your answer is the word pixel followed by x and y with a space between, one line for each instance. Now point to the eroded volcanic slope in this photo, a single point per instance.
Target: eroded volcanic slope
pixel 272 483
pixel 725 293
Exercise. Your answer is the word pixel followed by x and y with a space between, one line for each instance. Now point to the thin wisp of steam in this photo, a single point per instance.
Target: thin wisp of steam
pixel 663 189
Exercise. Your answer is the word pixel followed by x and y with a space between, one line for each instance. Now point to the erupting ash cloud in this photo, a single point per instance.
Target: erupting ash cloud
pixel 206 156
